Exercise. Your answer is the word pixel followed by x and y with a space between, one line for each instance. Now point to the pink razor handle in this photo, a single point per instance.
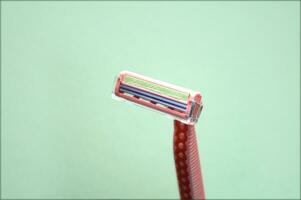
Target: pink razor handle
pixel 187 162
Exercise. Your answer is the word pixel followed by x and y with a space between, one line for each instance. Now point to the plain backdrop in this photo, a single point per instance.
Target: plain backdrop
pixel 64 137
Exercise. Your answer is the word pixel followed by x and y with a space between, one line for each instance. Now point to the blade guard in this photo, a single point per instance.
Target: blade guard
pixel 193 103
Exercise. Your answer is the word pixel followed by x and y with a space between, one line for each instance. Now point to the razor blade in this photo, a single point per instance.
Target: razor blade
pixel 179 103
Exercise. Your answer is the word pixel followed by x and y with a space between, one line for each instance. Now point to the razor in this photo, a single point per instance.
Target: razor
pixel 184 106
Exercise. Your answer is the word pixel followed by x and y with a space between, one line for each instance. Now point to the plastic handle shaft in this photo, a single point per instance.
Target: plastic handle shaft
pixel 187 162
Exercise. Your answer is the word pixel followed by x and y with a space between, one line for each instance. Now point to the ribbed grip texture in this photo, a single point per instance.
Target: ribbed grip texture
pixel 187 162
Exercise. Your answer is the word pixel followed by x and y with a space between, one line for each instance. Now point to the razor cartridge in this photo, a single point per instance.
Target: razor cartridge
pixel 179 103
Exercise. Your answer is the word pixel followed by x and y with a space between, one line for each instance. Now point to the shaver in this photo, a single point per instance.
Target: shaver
pixel 184 107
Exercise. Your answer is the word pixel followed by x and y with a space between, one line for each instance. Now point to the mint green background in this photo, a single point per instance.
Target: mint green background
pixel 64 137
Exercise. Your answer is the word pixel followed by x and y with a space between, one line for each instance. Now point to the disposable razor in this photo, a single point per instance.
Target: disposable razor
pixel 181 104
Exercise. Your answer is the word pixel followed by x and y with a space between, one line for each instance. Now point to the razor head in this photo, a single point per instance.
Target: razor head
pixel 179 103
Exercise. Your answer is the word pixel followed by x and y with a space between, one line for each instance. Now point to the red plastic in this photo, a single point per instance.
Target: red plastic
pixel 187 162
